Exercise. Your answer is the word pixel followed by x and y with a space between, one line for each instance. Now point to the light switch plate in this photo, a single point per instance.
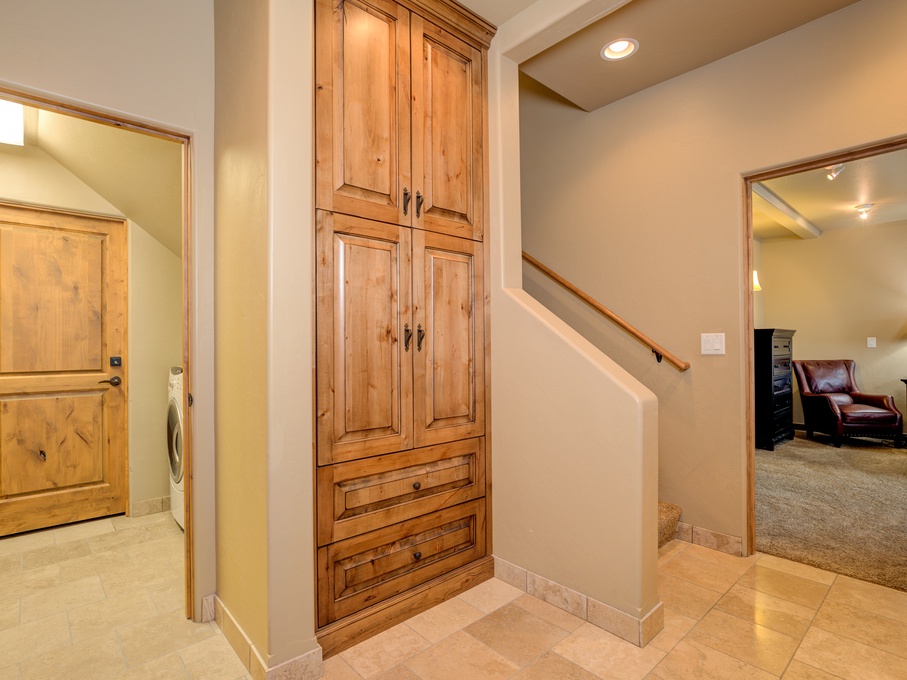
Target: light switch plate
pixel 712 343
pixel 870 342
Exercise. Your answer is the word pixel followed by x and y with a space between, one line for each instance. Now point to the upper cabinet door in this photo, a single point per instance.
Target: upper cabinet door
pixel 364 354
pixel 362 108
pixel 448 79
pixel 449 361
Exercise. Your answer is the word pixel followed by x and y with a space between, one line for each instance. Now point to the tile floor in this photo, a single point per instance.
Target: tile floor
pixel 103 600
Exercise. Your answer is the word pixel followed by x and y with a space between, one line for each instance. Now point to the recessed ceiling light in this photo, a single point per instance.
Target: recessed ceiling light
pixel 864 210
pixel 619 49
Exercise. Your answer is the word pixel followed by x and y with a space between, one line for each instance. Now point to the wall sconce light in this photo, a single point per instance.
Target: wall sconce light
pixel 756 286
pixel 12 123
pixel 864 210
pixel 834 170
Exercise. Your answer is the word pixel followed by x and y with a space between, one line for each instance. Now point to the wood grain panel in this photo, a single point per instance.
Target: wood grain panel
pixel 364 399
pixel 449 375
pixel 51 442
pixel 364 495
pixel 362 108
pixel 51 300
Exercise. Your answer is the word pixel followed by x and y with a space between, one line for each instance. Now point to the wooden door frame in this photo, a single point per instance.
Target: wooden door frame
pixel 185 141
pixel 874 149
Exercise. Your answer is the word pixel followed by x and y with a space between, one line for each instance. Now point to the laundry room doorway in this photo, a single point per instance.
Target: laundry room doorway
pixel 74 166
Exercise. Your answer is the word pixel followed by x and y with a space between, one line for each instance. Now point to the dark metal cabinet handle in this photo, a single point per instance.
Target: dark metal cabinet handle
pixel 419 338
pixel 417 486
pixel 406 199
pixel 407 337
pixel 419 199
pixel 417 556
pixel 115 381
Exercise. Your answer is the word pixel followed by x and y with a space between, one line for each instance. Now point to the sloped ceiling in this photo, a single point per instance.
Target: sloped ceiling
pixel 139 174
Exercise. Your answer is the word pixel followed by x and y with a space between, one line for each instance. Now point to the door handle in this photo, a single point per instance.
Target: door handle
pixel 115 381
pixel 419 199
pixel 407 337
pixel 406 198
pixel 419 338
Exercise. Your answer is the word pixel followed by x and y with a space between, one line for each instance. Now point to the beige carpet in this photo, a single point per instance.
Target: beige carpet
pixel 844 509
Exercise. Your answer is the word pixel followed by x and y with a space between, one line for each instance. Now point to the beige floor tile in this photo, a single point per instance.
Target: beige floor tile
pixel 684 597
pixel 549 613
pixel 461 657
pixel 161 635
pixel 95 564
pixel 800 671
pixel 767 610
pixel 398 673
pixel 29 640
pixel 692 661
pixel 606 655
pixel 168 667
pixel 20 543
pixel 730 562
pixel 754 644
pixel 10 565
pixel 444 619
pixel 98 659
pixel 75 532
pixel 170 530
pixel 676 627
pixel 689 566
pixel 128 577
pixel 54 554
pixel 789 587
pixel 873 598
pixel 516 634
pixel 384 651
pixel 32 581
pixel 863 626
pixel 169 595
pixel 490 595
pixel 553 666
pixel 10 672
pixel 212 659
pixel 9 610
pixel 107 615
pixel 122 538
pixel 123 522
pixel 849 659
pixel 336 668
pixel 797 569
pixel 670 550
pixel 61 598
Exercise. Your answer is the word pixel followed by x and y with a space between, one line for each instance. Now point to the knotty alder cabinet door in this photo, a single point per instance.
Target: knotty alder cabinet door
pixel 396 371
pixel 400 114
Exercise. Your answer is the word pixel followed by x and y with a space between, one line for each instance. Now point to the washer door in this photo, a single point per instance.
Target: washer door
pixel 175 441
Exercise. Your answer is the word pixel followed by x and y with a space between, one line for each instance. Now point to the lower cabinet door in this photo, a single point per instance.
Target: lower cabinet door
pixel 364 570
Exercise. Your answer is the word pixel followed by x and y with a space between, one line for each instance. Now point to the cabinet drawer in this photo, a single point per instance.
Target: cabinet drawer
pixel 364 570
pixel 781 346
pixel 781 365
pixel 363 495
pixel 781 384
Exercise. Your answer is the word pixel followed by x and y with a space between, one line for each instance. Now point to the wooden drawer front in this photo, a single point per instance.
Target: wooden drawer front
pixel 781 365
pixel 781 346
pixel 371 568
pixel 360 496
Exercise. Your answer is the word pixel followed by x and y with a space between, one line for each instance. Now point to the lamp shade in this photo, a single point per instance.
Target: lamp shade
pixel 756 286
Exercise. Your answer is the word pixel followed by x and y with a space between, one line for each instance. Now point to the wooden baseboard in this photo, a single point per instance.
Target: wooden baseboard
pixel 353 629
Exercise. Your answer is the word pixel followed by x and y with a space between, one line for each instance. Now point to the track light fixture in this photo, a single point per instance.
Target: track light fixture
pixel 834 170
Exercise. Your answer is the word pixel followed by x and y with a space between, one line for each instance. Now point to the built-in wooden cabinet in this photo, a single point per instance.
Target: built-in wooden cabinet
pixel 401 311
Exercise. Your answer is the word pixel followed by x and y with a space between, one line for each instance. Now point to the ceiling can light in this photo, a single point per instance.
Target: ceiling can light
pixel 834 170
pixel 619 49
pixel 864 210
pixel 12 123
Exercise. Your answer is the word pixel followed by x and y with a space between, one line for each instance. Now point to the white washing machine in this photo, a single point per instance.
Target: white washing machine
pixel 175 443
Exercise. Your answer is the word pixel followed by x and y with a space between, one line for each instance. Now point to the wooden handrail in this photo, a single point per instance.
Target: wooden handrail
pixel 657 349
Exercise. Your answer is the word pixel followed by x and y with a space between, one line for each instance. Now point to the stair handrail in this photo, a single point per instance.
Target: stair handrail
pixel 657 349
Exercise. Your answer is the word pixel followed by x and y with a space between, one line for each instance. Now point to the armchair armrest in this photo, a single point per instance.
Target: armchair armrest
pixel 821 405
pixel 884 401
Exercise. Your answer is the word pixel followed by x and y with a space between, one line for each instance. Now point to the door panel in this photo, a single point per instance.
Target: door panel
pixel 448 131
pixel 62 316
pixel 365 402
pixel 363 109
pixel 449 375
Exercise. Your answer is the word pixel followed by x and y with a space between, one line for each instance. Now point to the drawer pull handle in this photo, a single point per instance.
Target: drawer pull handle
pixel 42 455
pixel 417 486
pixel 417 556
pixel 407 337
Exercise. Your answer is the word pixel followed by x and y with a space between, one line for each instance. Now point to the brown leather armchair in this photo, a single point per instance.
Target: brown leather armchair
pixel 833 404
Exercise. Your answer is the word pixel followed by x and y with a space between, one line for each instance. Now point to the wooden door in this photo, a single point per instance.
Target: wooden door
pixel 62 320
pixel 449 362
pixel 363 353
pixel 448 82
pixel 362 109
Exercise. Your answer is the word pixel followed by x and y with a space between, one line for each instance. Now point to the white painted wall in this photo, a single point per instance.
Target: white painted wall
pixel 150 62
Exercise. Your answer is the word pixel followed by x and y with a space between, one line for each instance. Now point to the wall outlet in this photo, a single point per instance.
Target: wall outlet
pixel 711 343
pixel 870 342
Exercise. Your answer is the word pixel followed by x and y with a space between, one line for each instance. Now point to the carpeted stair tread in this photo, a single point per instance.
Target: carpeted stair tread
pixel 668 516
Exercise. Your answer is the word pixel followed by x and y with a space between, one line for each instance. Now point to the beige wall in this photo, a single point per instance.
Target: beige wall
pixel 28 175
pixel 151 62
pixel 574 437
pixel 641 204
pixel 836 291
